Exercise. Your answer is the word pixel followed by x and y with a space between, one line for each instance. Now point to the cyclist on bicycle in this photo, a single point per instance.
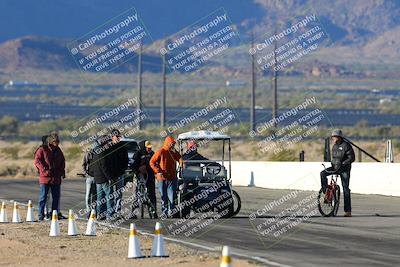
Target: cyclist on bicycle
pixel 141 166
pixel 342 157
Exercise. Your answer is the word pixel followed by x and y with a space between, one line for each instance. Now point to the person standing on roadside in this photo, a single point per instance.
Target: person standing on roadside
pixel 87 167
pixel 163 164
pixel 51 164
pixel 47 211
pixel 60 215
pixel 103 179
pixel 342 157
pixel 118 162
pixel 141 166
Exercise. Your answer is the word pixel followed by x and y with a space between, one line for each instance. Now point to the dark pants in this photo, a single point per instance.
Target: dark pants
pixel 168 196
pixel 345 177
pixel 151 190
pixel 55 195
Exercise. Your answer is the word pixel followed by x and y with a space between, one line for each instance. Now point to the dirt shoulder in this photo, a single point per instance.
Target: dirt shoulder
pixel 28 244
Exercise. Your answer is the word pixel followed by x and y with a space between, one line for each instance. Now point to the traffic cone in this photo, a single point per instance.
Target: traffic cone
pixel 226 260
pixel 29 214
pixel 134 251
pixel 16 217
pixel 3 213
pixel 72 228
pixel 91 225
pixel 55 225
pixel 158 243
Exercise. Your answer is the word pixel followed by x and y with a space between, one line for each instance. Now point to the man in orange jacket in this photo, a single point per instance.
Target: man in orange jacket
pixel 163 164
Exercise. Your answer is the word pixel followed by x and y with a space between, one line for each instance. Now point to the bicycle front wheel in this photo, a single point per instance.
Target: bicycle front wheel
pixel 327 202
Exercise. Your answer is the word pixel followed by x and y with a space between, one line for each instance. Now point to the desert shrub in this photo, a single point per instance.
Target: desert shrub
pixel 9 170
pixel 9 125
pixel 10 152
pixel 73 152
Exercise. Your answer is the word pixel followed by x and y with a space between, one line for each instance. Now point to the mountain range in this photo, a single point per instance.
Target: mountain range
pixel 35 33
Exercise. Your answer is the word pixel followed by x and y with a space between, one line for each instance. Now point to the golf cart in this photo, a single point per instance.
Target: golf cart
pixel 206 185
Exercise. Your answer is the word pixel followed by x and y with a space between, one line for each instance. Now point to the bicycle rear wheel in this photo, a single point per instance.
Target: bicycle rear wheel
pixel 327 202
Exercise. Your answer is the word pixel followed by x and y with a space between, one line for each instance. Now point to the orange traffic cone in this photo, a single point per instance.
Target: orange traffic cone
pixel 134 251
pixel 16 217
pixel 226 260
pixel 72 228
pixel 29 214
pixel 55 225
pixel 158 243
pixel 91 225
pixel 3 213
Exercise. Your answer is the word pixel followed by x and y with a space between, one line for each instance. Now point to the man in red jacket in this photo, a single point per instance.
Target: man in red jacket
pixel 163 164
pixel 50 162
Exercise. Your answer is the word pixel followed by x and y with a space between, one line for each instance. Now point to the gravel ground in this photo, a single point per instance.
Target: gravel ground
pixel 28 244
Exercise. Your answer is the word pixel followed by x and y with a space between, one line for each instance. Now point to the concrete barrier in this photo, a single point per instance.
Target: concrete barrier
pixel 366 178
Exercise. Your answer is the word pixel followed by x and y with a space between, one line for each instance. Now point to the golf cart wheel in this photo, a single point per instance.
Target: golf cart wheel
pixel 185 211
pixel 237 203
pixel 230 212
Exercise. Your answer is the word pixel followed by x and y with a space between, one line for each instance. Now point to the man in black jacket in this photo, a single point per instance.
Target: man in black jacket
pixel 118 163
pixel 141 166
pixel 103 178
pixel 342 157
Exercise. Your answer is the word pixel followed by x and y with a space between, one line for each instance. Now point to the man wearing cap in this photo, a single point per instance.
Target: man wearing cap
pixel 118 162
pixel 141 166
pixel 342 157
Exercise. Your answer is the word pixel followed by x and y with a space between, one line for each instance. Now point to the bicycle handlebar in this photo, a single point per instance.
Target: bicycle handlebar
pixel 325 169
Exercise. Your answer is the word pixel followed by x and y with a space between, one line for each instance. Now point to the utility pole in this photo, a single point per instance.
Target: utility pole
pixel 164 87
pixel 253 88
pixel 140 105
pixel 274 84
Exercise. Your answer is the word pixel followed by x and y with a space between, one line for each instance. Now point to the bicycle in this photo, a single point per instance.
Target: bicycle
pixel 143 198
pixel 328 202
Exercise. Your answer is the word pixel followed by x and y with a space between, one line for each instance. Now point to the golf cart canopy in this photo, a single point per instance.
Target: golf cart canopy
pixel 203 135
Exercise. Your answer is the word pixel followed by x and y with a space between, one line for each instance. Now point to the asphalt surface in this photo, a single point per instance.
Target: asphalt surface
pixel 301 237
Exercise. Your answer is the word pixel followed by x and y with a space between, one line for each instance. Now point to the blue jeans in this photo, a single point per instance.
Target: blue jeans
pixel 168 195
pixel 55 195
pixel 118 185
pixel 90 197
pixel 105 202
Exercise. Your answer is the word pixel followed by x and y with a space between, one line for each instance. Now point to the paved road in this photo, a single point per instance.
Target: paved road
pixel 370 238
